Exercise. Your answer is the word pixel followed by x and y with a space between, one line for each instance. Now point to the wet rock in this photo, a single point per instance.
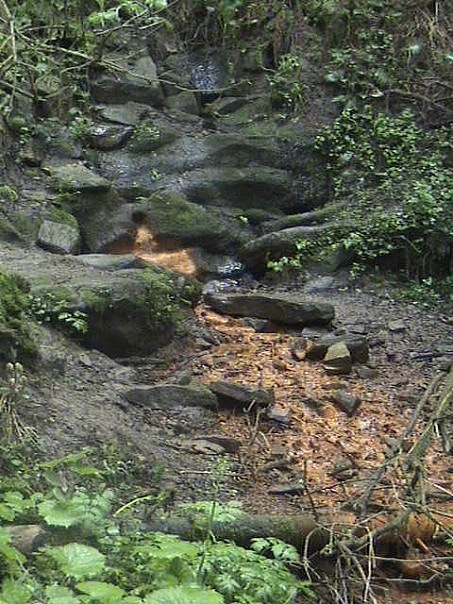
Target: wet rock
pixel 356 344
pixel 230 395
pixel 349 403
pixel 284 309
pixel 136 80
pixel 337 359
pixel 108 138
pixel 168 396
pixel 58 237
pixel 247 187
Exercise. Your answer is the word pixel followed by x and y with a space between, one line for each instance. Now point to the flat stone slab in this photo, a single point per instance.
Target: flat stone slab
pixel 281 308
pixel 168 396
pixel 229 394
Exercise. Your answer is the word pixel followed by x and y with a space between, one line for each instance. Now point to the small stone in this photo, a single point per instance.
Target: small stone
pixel 229 444
pixel 397 326
pixel 445 363
pixel 379 338
pixel 280 415
pixel 349 403
pixel 294 488
pixel 367 373
pixel 338 359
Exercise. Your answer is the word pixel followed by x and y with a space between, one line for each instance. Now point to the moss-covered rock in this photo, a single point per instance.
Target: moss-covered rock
pixel 132 311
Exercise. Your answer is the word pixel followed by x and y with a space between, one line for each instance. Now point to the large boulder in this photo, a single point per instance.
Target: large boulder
pixel 273 246
pixel 170 218
pixel 281 308
pixel 131 311
pixel 134 80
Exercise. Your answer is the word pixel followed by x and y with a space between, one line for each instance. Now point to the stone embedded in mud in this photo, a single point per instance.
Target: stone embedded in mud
pixel 281 308
pixel 168 396
pixel 229 394
pixel 338 359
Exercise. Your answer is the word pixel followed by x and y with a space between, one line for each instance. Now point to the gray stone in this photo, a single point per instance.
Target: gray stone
pixel 111 262
pixel 274 245
pixel 76 177
pixel 226 105
pixel 109 137
pixel 280 415
pixel 59 237
pixel 293 488
pixel 229 394
pixel 367 373
pixel 129 114
pixel 120 307
pixel 281 308
pixel 349 403
pixel 230 445
pixel 338 359
pixel 356 344
pixel 185 102
pixel 168 396
pixel 318 284
pixel 397 325
pixel 136 80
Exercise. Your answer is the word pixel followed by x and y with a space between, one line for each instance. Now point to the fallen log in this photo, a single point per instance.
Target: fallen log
pixel 301 531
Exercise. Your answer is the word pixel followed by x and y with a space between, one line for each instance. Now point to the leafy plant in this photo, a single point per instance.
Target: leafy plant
pixel 287 91
pixel 51 309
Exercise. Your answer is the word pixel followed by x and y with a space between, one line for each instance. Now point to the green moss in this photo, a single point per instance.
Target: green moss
pixel 60 215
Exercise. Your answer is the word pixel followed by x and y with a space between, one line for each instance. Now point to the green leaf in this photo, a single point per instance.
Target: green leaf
pixel 78 560
pixel 104 592
pixel 14 592
pixel 60 513
pixel 184 595
pixel 57 594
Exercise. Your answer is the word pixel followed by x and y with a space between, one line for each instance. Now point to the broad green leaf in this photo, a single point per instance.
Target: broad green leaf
pixel 184 595
pixel 57 594
pixel 60 513
pixel 78 560
pixel 13 592
pixel 103 592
